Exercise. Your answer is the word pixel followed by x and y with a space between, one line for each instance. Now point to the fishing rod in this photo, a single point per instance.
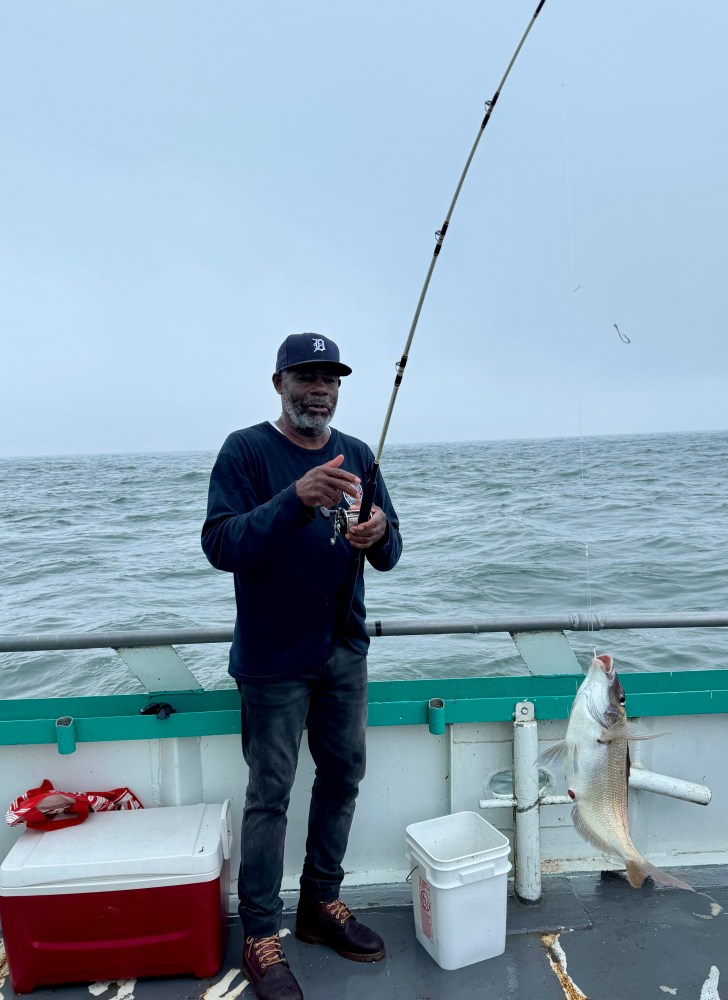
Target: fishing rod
pixel 341 520
pixel 370 482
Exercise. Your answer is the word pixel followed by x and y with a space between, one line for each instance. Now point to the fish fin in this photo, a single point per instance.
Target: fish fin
pixel 594 712
pixel 563 752
pixel 639 869
pixel 637 734
pixel 553 754
pixel 625 730
pixel 584 830
pixel 635 875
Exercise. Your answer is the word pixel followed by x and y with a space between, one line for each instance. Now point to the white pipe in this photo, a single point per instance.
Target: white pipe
pixel 527 834
pixel 450 763
pixel 556 800
pixel 675 788
pixel 648 781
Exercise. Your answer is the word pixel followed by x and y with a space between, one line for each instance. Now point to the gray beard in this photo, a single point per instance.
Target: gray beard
pixel 307 424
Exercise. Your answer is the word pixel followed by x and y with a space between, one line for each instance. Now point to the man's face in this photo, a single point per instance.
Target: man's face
pixel 309 395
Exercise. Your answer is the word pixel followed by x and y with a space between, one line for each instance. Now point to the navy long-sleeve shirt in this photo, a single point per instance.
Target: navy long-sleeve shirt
pixel 290 581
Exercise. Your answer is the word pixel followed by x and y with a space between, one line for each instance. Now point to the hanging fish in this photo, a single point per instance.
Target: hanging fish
pixel 597 768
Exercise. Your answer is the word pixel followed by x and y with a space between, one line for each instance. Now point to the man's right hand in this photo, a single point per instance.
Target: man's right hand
pixel 324 485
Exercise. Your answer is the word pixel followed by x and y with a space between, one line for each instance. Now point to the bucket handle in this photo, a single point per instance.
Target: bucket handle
pixel 475 875
pixel 471 873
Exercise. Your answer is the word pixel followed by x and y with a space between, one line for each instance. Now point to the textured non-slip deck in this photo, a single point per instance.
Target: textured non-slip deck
pixel 590 937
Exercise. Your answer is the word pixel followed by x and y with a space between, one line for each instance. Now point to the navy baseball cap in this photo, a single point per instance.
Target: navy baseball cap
pixel 309 349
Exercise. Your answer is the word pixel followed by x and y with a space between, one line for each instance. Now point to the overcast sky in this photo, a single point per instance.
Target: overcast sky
pixel 183 184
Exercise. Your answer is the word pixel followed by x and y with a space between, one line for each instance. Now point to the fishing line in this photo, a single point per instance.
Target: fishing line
pixel 590 607
pixel 605 315
pixel 575 288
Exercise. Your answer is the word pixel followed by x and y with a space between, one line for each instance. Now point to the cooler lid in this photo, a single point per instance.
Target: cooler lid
pixel 168 840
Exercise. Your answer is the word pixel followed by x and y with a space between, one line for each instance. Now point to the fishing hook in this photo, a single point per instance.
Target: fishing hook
pixel 622 336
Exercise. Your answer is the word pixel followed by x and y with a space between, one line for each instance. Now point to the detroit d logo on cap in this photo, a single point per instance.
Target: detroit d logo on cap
pixel 318 344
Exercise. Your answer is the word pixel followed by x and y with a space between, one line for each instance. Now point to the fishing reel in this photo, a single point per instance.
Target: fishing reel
pixel 341 520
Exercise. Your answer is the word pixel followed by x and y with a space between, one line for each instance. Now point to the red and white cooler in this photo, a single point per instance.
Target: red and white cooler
pixel 122 895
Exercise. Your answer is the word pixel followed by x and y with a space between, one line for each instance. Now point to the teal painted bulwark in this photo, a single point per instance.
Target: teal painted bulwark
pixel 391 703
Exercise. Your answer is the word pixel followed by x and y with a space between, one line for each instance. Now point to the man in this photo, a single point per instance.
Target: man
pixel 298 653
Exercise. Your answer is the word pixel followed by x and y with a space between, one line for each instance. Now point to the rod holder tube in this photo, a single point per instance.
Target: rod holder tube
pixel 675 788
pixel 497 803
pixel 647 781
pixel 66 734
pixel 556 800
pixel 526 815
pixel 436 716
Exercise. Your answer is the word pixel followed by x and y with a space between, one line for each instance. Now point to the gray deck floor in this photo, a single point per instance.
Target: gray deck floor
pixel 617 943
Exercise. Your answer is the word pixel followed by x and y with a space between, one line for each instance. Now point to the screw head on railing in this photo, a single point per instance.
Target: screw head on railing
pixel 525 711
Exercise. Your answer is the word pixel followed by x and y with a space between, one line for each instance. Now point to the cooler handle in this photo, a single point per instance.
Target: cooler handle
pixel 226 829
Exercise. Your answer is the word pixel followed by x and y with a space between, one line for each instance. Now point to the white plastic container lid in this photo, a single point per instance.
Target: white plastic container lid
pixel 450 842
pixel 162 845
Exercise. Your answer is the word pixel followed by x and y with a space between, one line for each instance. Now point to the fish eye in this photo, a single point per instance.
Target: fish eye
pixel 622 699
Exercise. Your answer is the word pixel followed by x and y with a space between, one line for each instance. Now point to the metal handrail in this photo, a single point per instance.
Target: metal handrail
pixel 430 626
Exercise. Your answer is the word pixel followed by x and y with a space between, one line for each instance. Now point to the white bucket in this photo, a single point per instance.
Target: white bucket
pixel 459 888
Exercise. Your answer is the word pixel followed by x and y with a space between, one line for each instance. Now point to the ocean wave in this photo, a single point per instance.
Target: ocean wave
pixel 522 528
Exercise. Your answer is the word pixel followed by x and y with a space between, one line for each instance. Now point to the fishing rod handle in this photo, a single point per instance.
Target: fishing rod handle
pixel 368 491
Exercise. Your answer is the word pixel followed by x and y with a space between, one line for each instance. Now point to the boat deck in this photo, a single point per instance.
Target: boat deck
pixel 591 936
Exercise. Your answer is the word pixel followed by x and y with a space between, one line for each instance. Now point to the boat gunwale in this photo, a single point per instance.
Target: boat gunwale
pixel 103 718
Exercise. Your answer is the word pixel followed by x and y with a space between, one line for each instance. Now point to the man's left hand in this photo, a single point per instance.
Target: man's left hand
pixel 366 534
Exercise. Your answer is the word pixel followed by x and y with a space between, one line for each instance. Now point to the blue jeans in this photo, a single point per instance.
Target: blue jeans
pixel 331 702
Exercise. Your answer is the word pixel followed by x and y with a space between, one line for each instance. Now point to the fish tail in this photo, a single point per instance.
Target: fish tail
pixel 639 868
pixel 635 875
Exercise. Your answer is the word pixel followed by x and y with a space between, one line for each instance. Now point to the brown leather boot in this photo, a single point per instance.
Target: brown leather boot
pixel 335 925
pixel 266 967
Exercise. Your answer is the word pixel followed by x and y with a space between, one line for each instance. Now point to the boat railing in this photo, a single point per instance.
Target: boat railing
pixel 174 704
pixel 570 622
pixel 546 679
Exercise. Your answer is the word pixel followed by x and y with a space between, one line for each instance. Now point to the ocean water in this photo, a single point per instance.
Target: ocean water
pixel 612 525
